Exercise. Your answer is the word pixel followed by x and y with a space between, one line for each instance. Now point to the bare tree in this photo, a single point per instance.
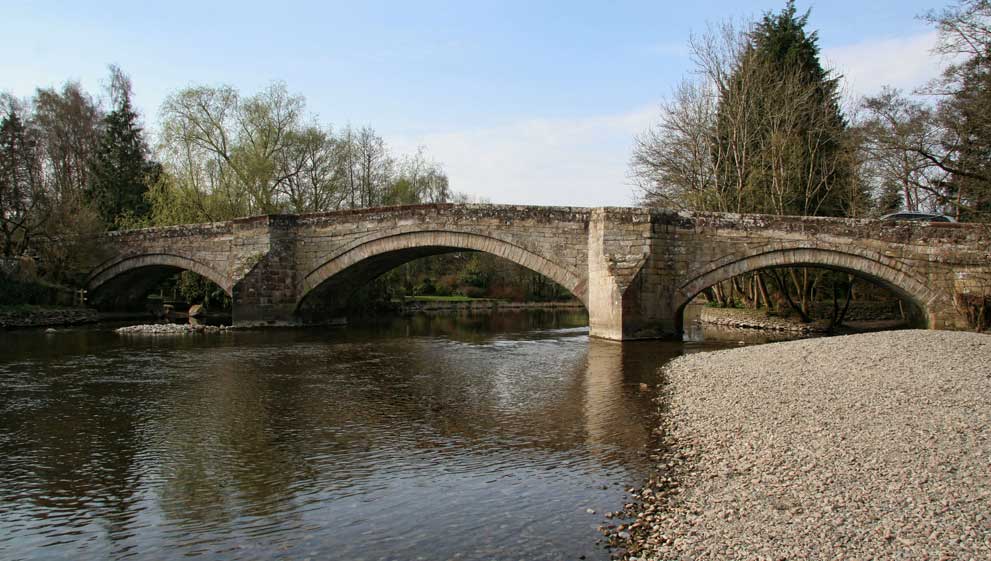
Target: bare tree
pixel 899 137
pixel 312 171
pixel 22 188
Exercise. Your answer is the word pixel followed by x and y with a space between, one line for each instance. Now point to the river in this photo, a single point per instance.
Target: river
pixel 430 437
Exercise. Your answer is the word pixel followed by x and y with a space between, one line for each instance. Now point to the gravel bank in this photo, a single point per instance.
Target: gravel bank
pixel 171 329
pixel 857 447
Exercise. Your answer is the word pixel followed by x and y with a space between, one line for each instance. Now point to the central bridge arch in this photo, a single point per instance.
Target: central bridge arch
pixel 364 260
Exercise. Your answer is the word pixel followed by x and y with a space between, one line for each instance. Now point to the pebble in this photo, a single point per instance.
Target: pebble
pixel 171 329
pixel 865 446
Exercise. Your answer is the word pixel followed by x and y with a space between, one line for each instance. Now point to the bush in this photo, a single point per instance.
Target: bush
pixel 15 291
pixel 425 288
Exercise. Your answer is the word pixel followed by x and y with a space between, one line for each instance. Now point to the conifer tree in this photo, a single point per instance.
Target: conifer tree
pixel 122 169
pixel 781 139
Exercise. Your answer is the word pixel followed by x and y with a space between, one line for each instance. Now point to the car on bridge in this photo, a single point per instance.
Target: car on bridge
pixel 915 216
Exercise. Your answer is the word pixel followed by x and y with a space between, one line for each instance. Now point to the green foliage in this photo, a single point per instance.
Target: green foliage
pixel 779 124
pixel 121 170
pixel 968 115
pixel 758 130
pixel 19 292
pixel 198 290
pixel 473 273
pixel 227 155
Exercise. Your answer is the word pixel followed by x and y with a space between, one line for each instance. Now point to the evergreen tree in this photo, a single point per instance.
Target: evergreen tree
pixel 781 140
pixel 122 170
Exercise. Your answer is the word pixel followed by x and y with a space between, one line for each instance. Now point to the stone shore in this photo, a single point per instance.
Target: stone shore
pixel 865 446
pixel 48 317
pixel 757 319
pixel 171 329
pixel 744 318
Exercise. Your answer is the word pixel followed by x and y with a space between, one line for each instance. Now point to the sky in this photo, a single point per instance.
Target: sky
pixel 521 102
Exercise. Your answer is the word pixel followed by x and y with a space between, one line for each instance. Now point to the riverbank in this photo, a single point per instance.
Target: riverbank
pixel 38 316
pixel 864 446
pixel 866 316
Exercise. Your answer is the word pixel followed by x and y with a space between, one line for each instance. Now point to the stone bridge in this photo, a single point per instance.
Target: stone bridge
pixel 634 269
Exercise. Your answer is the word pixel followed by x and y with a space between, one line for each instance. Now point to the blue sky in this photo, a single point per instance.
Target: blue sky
pixel 522 102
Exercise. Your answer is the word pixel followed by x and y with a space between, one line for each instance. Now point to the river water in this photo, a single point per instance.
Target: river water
pixel 444 437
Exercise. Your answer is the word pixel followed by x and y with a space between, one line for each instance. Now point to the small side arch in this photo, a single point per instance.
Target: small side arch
pixel 882 270
pixel 368 258
pixel 121 265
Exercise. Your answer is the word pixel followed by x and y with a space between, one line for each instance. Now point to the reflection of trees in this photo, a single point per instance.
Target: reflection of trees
pixel 314 415
pixel 69 443
pixel 478 326
pixel 255 427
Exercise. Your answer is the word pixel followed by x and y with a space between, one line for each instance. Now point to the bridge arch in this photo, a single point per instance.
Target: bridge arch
pixel 881 270
pixel 366 259
pixel 126 264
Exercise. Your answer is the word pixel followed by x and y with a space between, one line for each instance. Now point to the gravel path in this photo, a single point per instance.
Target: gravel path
pixel 857 447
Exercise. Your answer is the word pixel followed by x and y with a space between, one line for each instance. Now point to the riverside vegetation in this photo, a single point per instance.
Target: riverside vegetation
pixel 760 128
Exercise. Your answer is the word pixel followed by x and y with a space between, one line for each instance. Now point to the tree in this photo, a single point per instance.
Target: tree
pixel 759 130
pixel 122 169
pixel 673 161
pixel 374 167
pixel 317 181
pixel 962 112
pixel 223 150
pixel 421 180
pixel 68 124
pixel 780 133
pixel 21 192
pixel 229 155
pixel 899 137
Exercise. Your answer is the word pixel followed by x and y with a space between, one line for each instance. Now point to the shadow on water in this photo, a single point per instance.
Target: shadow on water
pixel 472 437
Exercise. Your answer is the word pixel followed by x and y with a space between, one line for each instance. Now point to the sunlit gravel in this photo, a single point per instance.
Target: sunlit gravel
pixel 866 446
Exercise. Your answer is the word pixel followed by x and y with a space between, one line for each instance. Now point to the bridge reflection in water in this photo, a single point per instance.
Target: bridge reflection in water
pixel 480 436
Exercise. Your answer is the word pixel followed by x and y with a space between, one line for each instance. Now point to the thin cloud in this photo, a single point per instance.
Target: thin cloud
pixel 584 161
pixel 901 62
pixel 570 162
